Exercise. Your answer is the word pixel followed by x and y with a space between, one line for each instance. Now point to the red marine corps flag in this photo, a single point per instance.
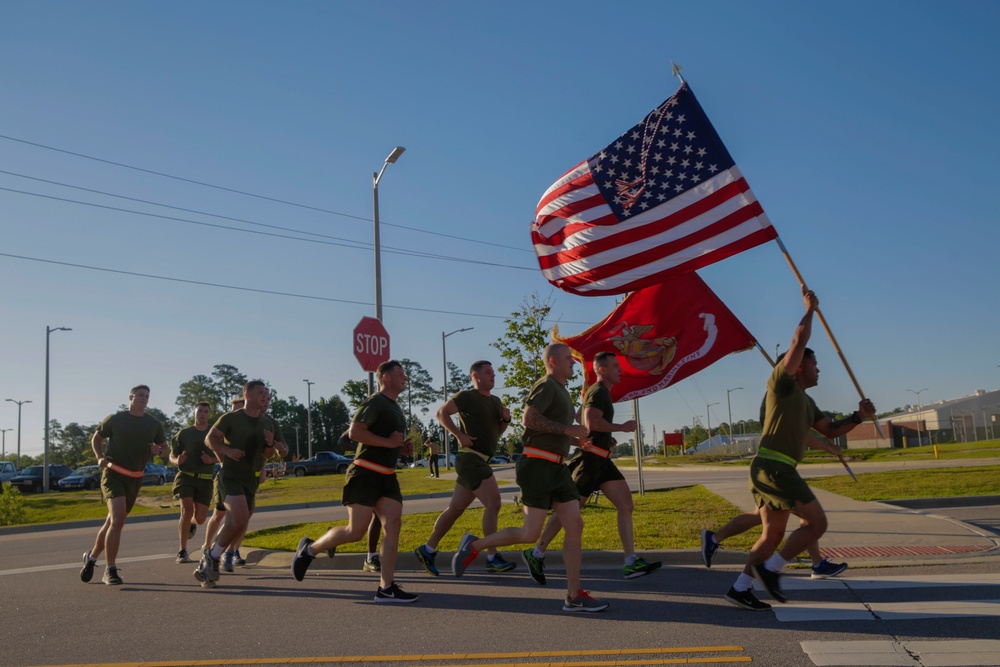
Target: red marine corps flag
pixel 664 198
pixel 661 335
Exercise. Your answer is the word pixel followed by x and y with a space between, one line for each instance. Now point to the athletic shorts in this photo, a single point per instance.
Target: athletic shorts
pixel 217 499
pixel 590 471
pixel 365 487
pixel 778 485
pixel 186 486
pixel 237 487
pixel 544 483
pixel 114 485
pixel 472 470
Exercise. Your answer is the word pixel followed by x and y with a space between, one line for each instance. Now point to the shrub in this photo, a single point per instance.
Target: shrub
pixel 11 506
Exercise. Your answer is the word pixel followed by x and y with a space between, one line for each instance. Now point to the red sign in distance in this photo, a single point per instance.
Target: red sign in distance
pixel 371 344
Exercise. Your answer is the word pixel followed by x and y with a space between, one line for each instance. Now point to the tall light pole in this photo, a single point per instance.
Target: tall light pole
pixel 708 415
pixel 19 404
pixel 730 407
pixel 920 409
pixel 45 461
pixel 376 177
pixel 3 452
pixel 444 368
pixel 309 416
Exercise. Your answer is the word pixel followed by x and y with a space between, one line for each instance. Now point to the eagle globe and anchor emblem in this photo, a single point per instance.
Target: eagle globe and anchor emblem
pixel 650 355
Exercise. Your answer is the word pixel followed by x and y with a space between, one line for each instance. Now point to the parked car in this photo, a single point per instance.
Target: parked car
pixel 514 457
pixel 30 479
pixel 155 474
pixel 84 477
pixel 320 463
pixel 499 460
pixel 422 463
pixel 7 471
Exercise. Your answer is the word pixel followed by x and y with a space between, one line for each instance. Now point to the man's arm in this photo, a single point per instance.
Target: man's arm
pixel 444 416
pixel 359 432
pixel 832 429
pixel 797 349
pixel 535 420
pixel 217 443
pixel 97 444
pixel 593 419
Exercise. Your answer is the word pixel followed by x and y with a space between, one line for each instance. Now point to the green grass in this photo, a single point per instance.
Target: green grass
pixel 663 519
pixel 925 483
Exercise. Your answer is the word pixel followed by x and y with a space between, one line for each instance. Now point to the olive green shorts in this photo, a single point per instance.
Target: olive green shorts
pixel 778 485
pixel 186 486
pixel 365 487
pixel 544 483
pixel 590 471
pixel 472 470
pixel 114 485
pixel 228 487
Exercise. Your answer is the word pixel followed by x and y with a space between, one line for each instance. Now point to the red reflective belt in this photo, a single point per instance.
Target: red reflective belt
pixel 533 453
pixel 374 467
pixel 135 474
pixel 594 449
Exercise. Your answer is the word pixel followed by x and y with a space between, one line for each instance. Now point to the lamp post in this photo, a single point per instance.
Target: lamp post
pixel 444 364
pixel 920 409
pixel 3 452
pixel 309 416
pixel 19 404
pixel 45 462
pixel 708 415
pixel 376 177
pixel 729 406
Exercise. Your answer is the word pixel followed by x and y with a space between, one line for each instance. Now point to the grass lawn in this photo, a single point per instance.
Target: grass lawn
pixel 664 519
pixel 926 483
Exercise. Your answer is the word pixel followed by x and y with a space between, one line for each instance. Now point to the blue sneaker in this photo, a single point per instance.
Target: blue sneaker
pixel 426 559
pixel 301 559
pixel 227 561
pixel 499 564
pixel 708 547
pixel 827 569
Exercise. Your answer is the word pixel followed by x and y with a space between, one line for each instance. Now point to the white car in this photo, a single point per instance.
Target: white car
pixel 422 463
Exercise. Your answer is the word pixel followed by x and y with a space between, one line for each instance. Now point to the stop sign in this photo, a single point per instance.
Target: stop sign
pixel 371 344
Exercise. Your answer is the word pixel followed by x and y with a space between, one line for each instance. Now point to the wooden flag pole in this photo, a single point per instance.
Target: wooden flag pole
pixel 826 327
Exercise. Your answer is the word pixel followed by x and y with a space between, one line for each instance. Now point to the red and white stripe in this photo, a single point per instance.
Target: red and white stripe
pixel 582 248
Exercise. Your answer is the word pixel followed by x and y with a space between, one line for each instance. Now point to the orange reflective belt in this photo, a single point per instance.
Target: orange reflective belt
pixel 533 453
pixel 594 449
pixel 374 467
pixel 134 474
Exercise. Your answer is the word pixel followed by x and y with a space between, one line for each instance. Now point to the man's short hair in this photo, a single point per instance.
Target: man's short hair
pixel 131 392
pixel 238 399
pixel 478 366
pixel 386 367
pixel 602 359
pixel 251 385
pixel 551 349
pixel 805 355
pixel 201 403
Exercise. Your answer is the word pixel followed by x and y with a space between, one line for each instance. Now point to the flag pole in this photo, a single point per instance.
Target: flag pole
pixel 640 446
pixel 675 69
pixel 826 327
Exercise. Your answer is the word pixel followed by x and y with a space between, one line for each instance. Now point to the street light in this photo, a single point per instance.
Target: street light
pixel 45 462
pixel 3 452
pixel 708 415
pixel 309 416
pixel 444 365
pixel 376 177
pixel 730 406
pixel 19 404
pixel 920 410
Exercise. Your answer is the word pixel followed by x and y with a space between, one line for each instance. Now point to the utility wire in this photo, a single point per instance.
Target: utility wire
pixel 251 194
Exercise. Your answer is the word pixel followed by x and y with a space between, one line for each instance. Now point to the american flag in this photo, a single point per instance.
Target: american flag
pixel 664 198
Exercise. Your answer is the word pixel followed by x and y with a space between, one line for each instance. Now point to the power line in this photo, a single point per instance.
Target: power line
pixel 251 194
pixel 261 291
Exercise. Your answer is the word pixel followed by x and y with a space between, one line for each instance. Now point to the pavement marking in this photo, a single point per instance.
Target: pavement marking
pixel 796 583
pixel 913 550
pixel 467 656
pixel 919 653
pixel 77 565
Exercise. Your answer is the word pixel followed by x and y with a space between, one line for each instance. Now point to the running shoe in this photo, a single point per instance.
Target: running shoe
pixel 746 599
pixel 536 566
pixel 227 561
pixel 583 601
pixel 301 559
pixel 770 580
pixel 393 593
pixel 499 564
pixel 465 555
pixel 641 568
pixel 426 559
pixel 331 552
pixel 87 571
pixel 183 557
pixel 207 571
pixel 708 546
pixel 827 569
pixel 238 559
pixel 192 530
pixel 373 564
pixel 111 576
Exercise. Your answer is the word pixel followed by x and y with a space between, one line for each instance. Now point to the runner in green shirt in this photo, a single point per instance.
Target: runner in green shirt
pixel 193 482
pixel 483 419
pixel 132 437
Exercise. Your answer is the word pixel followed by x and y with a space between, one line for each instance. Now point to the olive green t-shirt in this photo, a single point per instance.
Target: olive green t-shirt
pixel 383 417
pixel 597 396
pixel 129 438
pixel 789 413
pixel 192 441
pixel 479 416
pixel 551 398
pixel 270 424
pixel 241 431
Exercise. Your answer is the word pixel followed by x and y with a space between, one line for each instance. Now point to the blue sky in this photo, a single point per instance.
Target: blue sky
pixel 866 130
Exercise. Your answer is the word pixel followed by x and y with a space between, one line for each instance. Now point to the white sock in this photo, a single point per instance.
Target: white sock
pixel 216 552
pixel 429 550
pixel 630 559
pixel 308 551
pixel 537 553
pixel 372 555
pixel 775 563
pixel 743 583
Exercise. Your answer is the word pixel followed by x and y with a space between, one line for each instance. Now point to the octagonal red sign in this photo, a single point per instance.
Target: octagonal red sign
pixel 371 343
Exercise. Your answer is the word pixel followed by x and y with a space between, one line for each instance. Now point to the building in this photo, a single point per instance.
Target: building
pixel 966 419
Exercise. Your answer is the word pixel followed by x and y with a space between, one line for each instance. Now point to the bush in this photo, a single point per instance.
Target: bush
pixel 11 506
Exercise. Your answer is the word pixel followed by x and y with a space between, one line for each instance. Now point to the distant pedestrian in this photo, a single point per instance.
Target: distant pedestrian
pixel 433 449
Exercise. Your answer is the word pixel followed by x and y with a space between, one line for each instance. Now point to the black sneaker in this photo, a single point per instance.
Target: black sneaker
pixel 827 569
pixel 770 580
pixel 393 593
pixel 87 571
pixel 746 599
pixel 111 576
pixel 536 566
pixel 301 560
pixel 331 552
pixel 192 530
pixel 373 564
pixel 183 557
pixel 708 546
